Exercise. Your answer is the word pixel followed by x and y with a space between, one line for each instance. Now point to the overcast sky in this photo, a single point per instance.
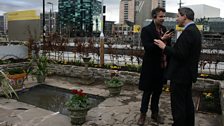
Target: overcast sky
pixel 112 13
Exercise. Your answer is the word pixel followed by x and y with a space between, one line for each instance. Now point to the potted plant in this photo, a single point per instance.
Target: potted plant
pixel 114 85
pixel 17 76
pixel 78 105
pixel 84 47
pixel 41 68
pixel 6 87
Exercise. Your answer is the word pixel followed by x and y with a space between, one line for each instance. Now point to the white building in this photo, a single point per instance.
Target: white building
pixel 202 10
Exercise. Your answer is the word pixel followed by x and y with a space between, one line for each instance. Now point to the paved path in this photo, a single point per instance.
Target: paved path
pixel 113 111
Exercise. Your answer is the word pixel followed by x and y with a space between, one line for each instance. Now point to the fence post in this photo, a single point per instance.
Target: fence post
pixel 102 37
pixel 101 51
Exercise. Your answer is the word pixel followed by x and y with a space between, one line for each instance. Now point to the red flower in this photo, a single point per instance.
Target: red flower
pixel 74 91
pixel 78 100
pixel 78 92
pixel 82 94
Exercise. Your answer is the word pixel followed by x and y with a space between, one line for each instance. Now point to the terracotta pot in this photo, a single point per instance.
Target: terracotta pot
pixel 17 80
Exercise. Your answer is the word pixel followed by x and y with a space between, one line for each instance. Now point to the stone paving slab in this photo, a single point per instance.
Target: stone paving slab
pixel 113 111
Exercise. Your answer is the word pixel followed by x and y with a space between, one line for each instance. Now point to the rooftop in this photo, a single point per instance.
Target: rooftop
pixel 113 111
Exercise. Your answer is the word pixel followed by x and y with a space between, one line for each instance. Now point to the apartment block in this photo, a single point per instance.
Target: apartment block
pixel 137 11
pixel 127 11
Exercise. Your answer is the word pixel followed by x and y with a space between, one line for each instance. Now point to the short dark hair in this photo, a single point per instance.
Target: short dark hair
pixel 155 11
pixel 186 11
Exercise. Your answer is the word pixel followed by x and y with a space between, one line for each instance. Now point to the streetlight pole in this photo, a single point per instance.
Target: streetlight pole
pixel 44 27
pixel 180 4
pixel 51 21
pixel 101 38
pixel 43 20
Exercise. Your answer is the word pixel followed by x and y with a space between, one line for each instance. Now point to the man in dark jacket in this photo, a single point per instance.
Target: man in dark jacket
pixel 183 68
pixel 153 66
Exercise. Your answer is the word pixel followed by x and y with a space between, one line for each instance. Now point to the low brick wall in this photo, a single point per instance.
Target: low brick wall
pixel 96 73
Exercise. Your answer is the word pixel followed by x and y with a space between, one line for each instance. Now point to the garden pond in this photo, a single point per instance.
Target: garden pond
pixel 52 98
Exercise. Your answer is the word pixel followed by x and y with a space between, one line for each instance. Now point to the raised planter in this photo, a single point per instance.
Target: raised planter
pixel 208 84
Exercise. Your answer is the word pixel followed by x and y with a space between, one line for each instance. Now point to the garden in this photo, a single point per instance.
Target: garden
pixel 57 80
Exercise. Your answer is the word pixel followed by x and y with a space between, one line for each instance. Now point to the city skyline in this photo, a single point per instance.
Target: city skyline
pixel 112 13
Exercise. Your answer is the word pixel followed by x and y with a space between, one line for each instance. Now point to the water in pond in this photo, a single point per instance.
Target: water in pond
pixel 51 98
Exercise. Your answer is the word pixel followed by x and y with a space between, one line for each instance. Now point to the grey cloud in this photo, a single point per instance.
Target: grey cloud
pixel 14 5
pixel 112 2
pixel 7 7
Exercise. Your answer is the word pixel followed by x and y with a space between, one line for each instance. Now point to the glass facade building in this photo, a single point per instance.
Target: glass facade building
pixel 1 25
pixel 77 17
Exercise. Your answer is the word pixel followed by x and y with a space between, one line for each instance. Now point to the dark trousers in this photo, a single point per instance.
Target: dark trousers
pixel 154 100
pixel 182 105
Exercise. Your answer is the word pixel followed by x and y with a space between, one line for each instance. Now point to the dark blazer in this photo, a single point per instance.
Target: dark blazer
pixel 151 73
pixel 184 56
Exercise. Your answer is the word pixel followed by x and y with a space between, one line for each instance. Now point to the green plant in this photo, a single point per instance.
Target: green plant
pixel 13 71
pixel 17 76
pixel 6 86
pixel 131 67
pixel 41 66
pixel 5 61
pixel 106 66
pixel 77 63
pixel 208 96
pixel 114 82
pixel 79 100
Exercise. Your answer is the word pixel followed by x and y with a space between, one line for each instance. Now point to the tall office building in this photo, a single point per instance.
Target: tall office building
pixel 138 11
pixel 162 3
pixel 1 25
pixel 76 16
pixel 156 3
pixel 127 11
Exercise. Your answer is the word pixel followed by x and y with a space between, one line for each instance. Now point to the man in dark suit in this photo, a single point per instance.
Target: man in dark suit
pixel 183 68
pixel 153 66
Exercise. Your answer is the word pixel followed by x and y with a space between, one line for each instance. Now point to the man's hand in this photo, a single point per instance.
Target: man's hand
pixel 167 35
pixel 159 43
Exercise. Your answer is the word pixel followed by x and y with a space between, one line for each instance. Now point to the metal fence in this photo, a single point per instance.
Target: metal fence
pixel 118 52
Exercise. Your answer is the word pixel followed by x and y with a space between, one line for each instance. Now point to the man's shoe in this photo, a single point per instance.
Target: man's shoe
pixel 157 118
pixel 141 120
